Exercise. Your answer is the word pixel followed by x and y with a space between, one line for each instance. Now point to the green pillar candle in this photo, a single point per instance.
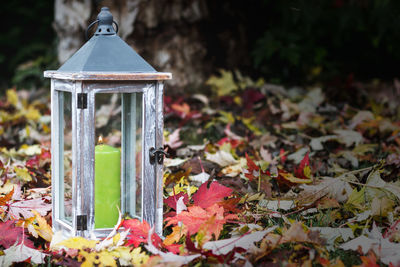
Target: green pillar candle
pixel 107 187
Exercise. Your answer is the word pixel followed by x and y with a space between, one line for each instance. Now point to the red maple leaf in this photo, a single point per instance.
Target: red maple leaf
pixel 10 234
pixel 253 171
pixel 138 233
pixel 206 197
pixel 299 172
pixel 282 155
pixel 210 219
pixel 171 201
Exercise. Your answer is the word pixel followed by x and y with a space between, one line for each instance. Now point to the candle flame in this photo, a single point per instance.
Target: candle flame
pixel 100 141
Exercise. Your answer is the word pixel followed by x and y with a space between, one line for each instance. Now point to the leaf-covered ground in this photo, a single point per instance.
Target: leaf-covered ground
pixel 257 175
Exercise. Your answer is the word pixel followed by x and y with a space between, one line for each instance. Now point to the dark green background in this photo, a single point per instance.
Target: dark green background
pixel 287 40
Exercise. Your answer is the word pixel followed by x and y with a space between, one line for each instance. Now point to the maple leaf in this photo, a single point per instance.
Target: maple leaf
pixel 297 233
pixel 369 261
pixel 172 200
pixel 6 198
pixel 175 236
pixel 302 171
pixel 174 140
pixel 43 229
pixel 245 241
pixel 222 158
pixel 224 84
pixel 331 187
pixel 169 256
pixel 206 197
pixel 77 242
pixel 387 251
pixel 10 235
pixel 196 217
pixel 20 253
pixel 24 207
pixel 138 233
pixel 286 178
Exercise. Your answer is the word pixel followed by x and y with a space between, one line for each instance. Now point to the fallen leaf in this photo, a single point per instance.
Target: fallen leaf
pixel 331 187
pixel 222 247
pixel 168 256
pixel 76 243
pixel 10 235
pixel 221 157
pixel 207 196
pixel 20 253
pixel 224 84
pixel 387 252
pixel 349 137
pixel 196 216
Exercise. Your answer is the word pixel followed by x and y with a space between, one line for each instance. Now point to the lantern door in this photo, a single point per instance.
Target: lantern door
pixel 126 126
pixel 62 112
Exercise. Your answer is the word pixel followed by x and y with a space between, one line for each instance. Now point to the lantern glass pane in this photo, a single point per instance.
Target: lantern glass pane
pixel 118 157
pixel 66 157
pixel 132 151
pixel 107 192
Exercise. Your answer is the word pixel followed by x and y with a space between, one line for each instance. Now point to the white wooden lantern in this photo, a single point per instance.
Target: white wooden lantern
pixel 106 90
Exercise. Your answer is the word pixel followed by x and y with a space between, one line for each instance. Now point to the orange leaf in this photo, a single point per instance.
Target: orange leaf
pixel 196 216
pixel 175 236
pixel 6 198
pixel 184 108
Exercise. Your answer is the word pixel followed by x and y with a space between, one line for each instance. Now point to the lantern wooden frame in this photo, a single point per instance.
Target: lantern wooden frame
pixel 88 84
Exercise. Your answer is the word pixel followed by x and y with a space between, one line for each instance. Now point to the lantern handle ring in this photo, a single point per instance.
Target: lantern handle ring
pixel 90 26
pixel 116 27
pixel 97 21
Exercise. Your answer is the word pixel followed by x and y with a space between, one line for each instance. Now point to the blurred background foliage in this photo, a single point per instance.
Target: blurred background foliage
pixel 288 41
pixel 26 42
pixel 308 40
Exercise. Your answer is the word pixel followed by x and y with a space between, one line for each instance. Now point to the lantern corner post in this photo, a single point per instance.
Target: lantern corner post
pixel 55 155
pixel 83 153
pixel 149 170
pixel 159 169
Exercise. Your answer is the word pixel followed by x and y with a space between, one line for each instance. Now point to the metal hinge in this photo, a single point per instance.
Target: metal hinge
pixel 82 100
pixel 81 222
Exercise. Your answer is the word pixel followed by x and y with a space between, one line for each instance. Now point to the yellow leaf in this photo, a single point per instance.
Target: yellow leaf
pixel 102 258
pixel 226 117
pixel 126 257
pixel 32 114
pixel 175 236
pixel 43 229
pixel 183 187
pixel 224 84
pixel 12 97
pixel 139 257
pixel 382 206
pixel 291 178
pixel 30 150
pixel 77 243
pixel 307 171
pixel 249 124
pixel 357 198
pixel 23 174
pixel 7 187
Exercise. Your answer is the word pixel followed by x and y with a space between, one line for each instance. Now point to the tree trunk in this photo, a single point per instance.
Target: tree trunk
pixel 175 36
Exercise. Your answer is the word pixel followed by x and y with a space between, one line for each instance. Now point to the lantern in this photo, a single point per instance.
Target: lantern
pixel 107 132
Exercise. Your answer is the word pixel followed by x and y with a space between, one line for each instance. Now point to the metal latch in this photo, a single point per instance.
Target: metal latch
pixel 157 155
pixel 81 222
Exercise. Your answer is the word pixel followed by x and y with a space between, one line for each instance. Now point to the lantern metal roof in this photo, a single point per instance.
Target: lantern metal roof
pixel 106 56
